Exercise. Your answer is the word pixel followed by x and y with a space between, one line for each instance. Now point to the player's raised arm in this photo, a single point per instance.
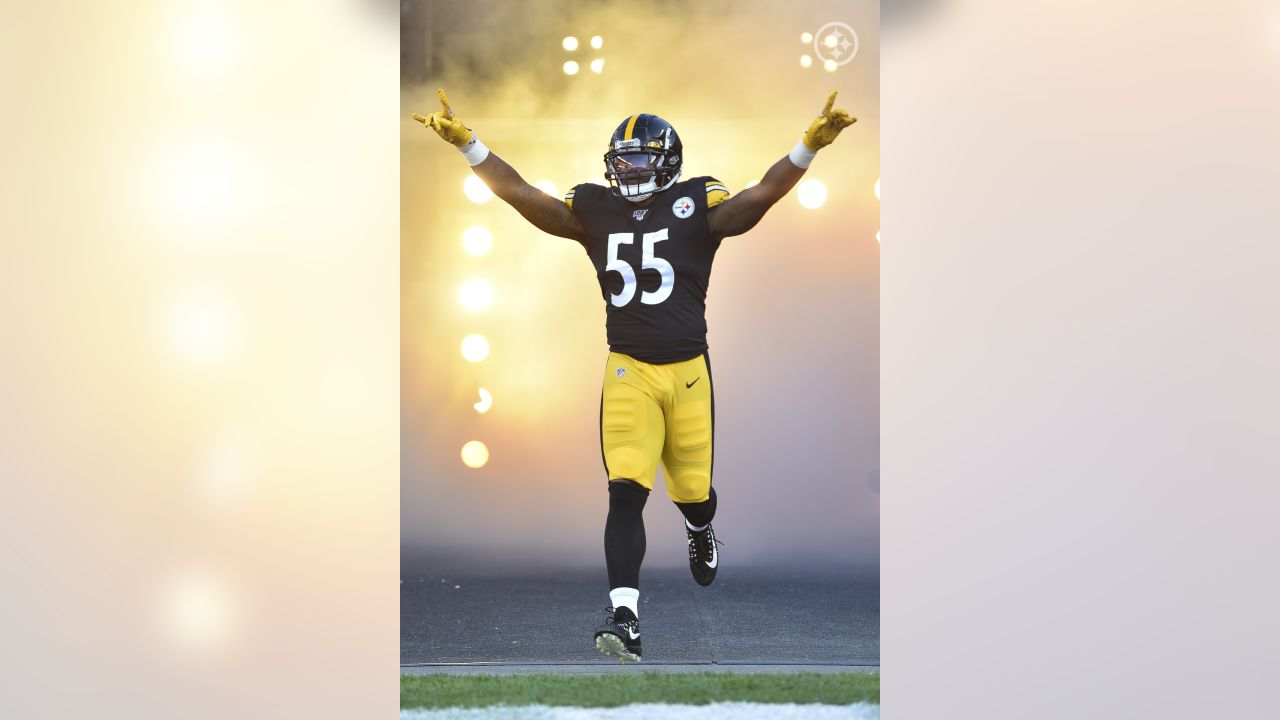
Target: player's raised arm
pixel 548 214
pixel 741 213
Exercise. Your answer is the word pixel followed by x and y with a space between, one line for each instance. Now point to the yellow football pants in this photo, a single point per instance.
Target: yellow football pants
pixel 658 413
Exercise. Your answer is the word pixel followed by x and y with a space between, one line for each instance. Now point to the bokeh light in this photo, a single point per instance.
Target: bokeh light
pixel 475 294
pixel 830 65
pixel 486 402
pixel 597 42
pixel 475 348
pixel 812 193
pixel 570 67
pixel 806 37
pixel 477 240
pixel 205 43
pixel 203 181
pixel 597 65
pixel 222 474
pixel 476 190
pixel 202 327
pixel 548 187
pixel 570 43
pixel 197 612
pixel 475 454
pixel 805 61
pixel 831 40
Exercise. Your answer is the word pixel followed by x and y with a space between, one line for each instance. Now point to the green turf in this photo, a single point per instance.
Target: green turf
pixel 434 691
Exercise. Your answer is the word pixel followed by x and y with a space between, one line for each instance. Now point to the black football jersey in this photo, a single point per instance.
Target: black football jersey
pixel 653 264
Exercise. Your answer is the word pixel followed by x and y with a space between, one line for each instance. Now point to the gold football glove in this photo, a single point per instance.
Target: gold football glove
pixel 827 126
pixel 445 123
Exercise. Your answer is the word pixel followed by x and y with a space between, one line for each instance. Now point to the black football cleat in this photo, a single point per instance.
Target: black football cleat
pixel 703 554
pixel 620 635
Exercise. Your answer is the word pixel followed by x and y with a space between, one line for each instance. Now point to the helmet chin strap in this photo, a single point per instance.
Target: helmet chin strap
pixel 638 193
pixel 642 196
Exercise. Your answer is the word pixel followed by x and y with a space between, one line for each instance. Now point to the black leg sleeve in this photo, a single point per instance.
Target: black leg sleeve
pixel 699 514
pixel 624 533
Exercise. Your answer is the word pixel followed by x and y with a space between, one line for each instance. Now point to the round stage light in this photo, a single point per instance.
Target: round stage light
pixel 477 240
pixel 206 43
pixel 570 43
pixel 548 187
pixel 831 40
pixel 812 193
pixel 806 37
pixel 877 188
pixel 198 611
pixel 204 181
pixel 486 402
pixel 476 190
pixel 475 294
pixel 570 67
pixel 805 61
pixel 597 42
pixel 597 65
pixel 877 236
pixel 475 454
pixel 475 348
pixel 202 328
pixel 830 65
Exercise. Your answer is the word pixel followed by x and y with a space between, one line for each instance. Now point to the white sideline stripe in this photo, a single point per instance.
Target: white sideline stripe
pixel 650 711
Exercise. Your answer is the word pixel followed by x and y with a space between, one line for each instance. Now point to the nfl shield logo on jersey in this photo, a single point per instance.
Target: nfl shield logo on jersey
pixel 683 207
pixel 639 214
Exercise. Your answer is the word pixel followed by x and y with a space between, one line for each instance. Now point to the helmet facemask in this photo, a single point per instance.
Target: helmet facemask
pixel 636 173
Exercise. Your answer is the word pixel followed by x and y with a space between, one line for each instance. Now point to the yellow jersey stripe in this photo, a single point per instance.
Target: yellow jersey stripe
pixel 631 127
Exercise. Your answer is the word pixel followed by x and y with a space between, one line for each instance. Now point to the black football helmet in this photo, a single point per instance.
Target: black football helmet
pixel 645 156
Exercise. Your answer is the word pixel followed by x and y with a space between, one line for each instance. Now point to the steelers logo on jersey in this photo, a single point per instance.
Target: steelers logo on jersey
pixel 683 207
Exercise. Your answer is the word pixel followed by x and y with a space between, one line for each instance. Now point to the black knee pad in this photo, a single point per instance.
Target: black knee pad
pixel 627 495
pixel 699 514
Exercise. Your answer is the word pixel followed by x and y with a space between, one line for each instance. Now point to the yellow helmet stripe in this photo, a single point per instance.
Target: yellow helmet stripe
pixel 631 126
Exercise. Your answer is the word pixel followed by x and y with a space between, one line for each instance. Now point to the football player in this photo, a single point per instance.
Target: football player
pixel 651 237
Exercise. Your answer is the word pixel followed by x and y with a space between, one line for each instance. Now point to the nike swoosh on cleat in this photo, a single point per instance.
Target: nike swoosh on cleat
pixel 715 557
pixel 633 633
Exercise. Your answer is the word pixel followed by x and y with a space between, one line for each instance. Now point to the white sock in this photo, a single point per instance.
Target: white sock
pixel 696 529
pixel 626 597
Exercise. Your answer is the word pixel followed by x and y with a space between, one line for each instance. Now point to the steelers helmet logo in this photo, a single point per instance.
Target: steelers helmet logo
pixel 683 207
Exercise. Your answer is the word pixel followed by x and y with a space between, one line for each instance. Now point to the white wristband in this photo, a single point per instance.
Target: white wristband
pixel 801 155
pixel 475 151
